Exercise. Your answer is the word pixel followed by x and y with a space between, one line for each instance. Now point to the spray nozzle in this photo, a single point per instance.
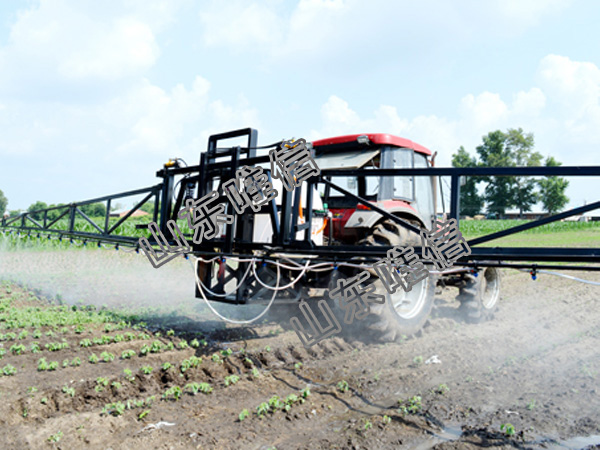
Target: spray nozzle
pixel 533 274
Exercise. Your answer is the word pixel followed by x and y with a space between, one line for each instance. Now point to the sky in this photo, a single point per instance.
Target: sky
pixel 96 96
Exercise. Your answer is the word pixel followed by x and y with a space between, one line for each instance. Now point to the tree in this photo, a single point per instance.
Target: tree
pixel 552 189
pixel 511 149
pixel 3 203
pixel 34 207
pixel 94 210
pixel 471 203
pixel 521 147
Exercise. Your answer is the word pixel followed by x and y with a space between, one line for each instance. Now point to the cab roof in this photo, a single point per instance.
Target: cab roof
pixel 375 138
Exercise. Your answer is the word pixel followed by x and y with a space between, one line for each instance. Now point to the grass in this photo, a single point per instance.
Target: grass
pixel 556 234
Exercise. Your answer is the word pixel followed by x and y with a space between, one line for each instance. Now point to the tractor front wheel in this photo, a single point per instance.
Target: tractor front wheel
pixel 479 295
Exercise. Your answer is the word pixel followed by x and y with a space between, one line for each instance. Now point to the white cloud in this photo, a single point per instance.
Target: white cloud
pixel 529 103
pixel 322 29
pixel 483 111
pixel 59 40
pixel 127 46
pixel 239 25
pixel 574 86
pixel 529 12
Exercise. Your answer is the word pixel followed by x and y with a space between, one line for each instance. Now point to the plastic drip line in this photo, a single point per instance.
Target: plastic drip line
pixel 237 322
pixel 569 277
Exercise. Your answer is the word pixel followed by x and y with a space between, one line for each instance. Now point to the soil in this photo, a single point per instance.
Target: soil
pixel 534 367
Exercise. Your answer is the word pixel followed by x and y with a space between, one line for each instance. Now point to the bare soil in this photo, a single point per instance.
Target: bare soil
pixel 536 366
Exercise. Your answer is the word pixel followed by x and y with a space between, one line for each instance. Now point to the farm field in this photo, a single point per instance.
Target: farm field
pixel 151 366
pixel 556 234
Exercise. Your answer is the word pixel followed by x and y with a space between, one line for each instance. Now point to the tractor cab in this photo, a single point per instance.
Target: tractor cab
pixel 410 197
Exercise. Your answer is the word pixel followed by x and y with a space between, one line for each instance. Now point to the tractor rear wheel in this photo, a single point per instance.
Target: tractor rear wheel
pixel 479 295
pixel 403 313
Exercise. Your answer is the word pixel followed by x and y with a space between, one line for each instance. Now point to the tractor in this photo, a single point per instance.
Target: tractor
pixel 412 198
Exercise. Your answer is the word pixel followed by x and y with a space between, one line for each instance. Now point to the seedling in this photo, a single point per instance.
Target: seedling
pixel 85 343
pixel 79 329
pixel 107 356
pixel 127 354
pixel 166 366
pixel 262 409
pixel 170 333
pixel 68 390
pixel 156 347
pixel 255 372
pixel 368 425
pixel 305 392
pixel 65 363
pixel 101 383
pixel 509 429
pixel 342 386
pixel 298 365
pixel 386 420
pixel 55 437
pixel 418 360
pixel 290 400
pixel 93 359
pixel 143 414
pixel 267 348
pixel 118 338
pixel 182 344
pixel 42 365
pixel 35 348
pixel 9 370
pixel 146 370
pixel 216 358
pixel 531 405
pixel 243 415
pixel 442 389
pixel 129 375
pixel 17 349
pixel 44 400
pixel 227 352
pixel 205 388
pixel 412 405
pixel 115 409
pixel 170 346
pixel 53 366
pixel 76 361
pixel 190 363
pixel 144 350
pixel 195 343
pixel 276 403
pixel 231 379
pixel 36 334
pixel 174 392
pixel 116 385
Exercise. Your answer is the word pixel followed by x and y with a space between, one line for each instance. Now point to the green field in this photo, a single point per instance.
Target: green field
pixel 556 234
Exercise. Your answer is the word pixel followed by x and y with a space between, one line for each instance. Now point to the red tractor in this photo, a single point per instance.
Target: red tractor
pixel 412 198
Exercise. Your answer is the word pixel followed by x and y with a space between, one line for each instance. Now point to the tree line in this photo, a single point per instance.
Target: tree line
pixel 512 148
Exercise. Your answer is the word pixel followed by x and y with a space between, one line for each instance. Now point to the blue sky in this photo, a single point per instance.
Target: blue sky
pixel 96 96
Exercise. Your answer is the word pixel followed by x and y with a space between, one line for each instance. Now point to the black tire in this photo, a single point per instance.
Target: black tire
pixel 403 313
pixel 479 295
